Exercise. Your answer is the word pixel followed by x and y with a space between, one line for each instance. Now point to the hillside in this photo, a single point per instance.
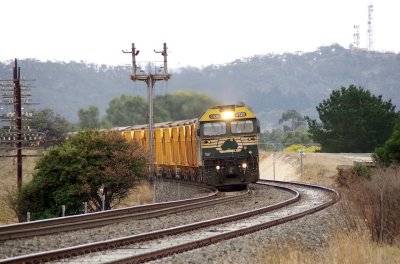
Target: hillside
pixel 269 83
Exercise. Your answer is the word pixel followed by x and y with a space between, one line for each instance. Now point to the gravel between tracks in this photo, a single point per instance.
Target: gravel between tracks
pixel 261 196
pixel 311 232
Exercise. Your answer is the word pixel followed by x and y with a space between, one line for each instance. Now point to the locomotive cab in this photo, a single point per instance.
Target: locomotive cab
pixel 228 144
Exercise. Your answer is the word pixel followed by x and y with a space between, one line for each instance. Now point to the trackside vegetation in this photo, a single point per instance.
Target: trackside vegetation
pixel 353 120
pixel 85 168
pixel 390 152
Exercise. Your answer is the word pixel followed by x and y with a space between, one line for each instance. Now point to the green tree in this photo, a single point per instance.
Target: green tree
pixel 132 110
pixel 298 137
pixel 352 120
pixel 86 167
pixel 296 120
pixel 51 125
pixel 89 119
pixel 272 141
pixel 183 105
pixel 390 152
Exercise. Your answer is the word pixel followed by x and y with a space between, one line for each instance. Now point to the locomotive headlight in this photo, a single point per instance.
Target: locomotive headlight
pixel 244 165
pixel 217 167
pixel 227 115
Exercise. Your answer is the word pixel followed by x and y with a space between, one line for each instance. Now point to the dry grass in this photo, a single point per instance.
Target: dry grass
pixel 321 168
pixel 355 246
pixel 142 195
pixel 8 182
pixel 352 248
pixel 375 203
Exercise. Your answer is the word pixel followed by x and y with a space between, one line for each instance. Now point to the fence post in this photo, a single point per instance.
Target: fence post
pixel 63 210
pixel 85 207
pixel 103 202
pixel 28 216
pixel 179 190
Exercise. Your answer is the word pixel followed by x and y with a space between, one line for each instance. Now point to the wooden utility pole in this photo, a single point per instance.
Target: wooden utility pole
pixel 150 78
pixel 17 111
pixel 14 98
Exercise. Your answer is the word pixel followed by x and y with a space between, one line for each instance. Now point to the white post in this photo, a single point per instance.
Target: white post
pixel 103 202
pixel 28 216
pixel 301 164
pixel 273 156
pixel 62 210
pixel 85 207
pixel 154 189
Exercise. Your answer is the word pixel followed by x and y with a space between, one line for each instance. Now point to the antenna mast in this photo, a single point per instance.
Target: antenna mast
pixel 369 31
pixel 356 35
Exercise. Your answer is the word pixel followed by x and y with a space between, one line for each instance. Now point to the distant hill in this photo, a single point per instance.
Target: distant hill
pixel 270 83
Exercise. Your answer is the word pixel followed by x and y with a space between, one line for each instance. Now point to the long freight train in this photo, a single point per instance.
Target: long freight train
pixel 219 148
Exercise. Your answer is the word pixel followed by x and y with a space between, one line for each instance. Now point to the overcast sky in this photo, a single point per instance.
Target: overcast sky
pixel 198 33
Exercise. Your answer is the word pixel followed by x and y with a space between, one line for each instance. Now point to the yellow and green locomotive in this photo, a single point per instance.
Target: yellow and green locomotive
pixel 219 148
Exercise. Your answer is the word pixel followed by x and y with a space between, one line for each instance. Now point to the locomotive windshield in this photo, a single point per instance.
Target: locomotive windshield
pixel 228 128
pixel 242 126
pixel 214 129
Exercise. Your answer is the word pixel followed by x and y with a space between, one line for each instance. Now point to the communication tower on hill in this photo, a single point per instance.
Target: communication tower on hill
pixel 356 35
pixel 369 31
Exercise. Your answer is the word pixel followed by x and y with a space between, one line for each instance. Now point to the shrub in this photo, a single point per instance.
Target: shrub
pixel 362 171
pixel 87 167
pixel 390 152
pixel 296 148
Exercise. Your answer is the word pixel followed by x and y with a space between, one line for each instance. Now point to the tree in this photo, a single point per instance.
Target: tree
pixel 272 140
pixel 51 125
pixel 352 120
pixel 183 105
pixel 132 110
pixel 296 120
pixel 390 151
pixel 297 137
pixel 86 167
pixel 89 119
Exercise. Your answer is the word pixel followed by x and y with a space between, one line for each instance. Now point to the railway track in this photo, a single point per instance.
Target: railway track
pixel 306 199
pixel 96 219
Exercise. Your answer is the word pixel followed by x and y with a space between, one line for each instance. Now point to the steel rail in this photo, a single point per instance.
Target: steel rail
pixel 232 234
pixel 69 223
pixel 119 242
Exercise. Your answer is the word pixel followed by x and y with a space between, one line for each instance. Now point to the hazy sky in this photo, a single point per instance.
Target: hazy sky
pixel 197 33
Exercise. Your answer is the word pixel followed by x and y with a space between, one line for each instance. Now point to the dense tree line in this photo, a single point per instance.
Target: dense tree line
pixel 132 110
pixel 269 83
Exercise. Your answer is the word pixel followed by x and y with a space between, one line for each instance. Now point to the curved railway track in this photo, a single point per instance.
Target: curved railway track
pixel 306 199
pixel 76 222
